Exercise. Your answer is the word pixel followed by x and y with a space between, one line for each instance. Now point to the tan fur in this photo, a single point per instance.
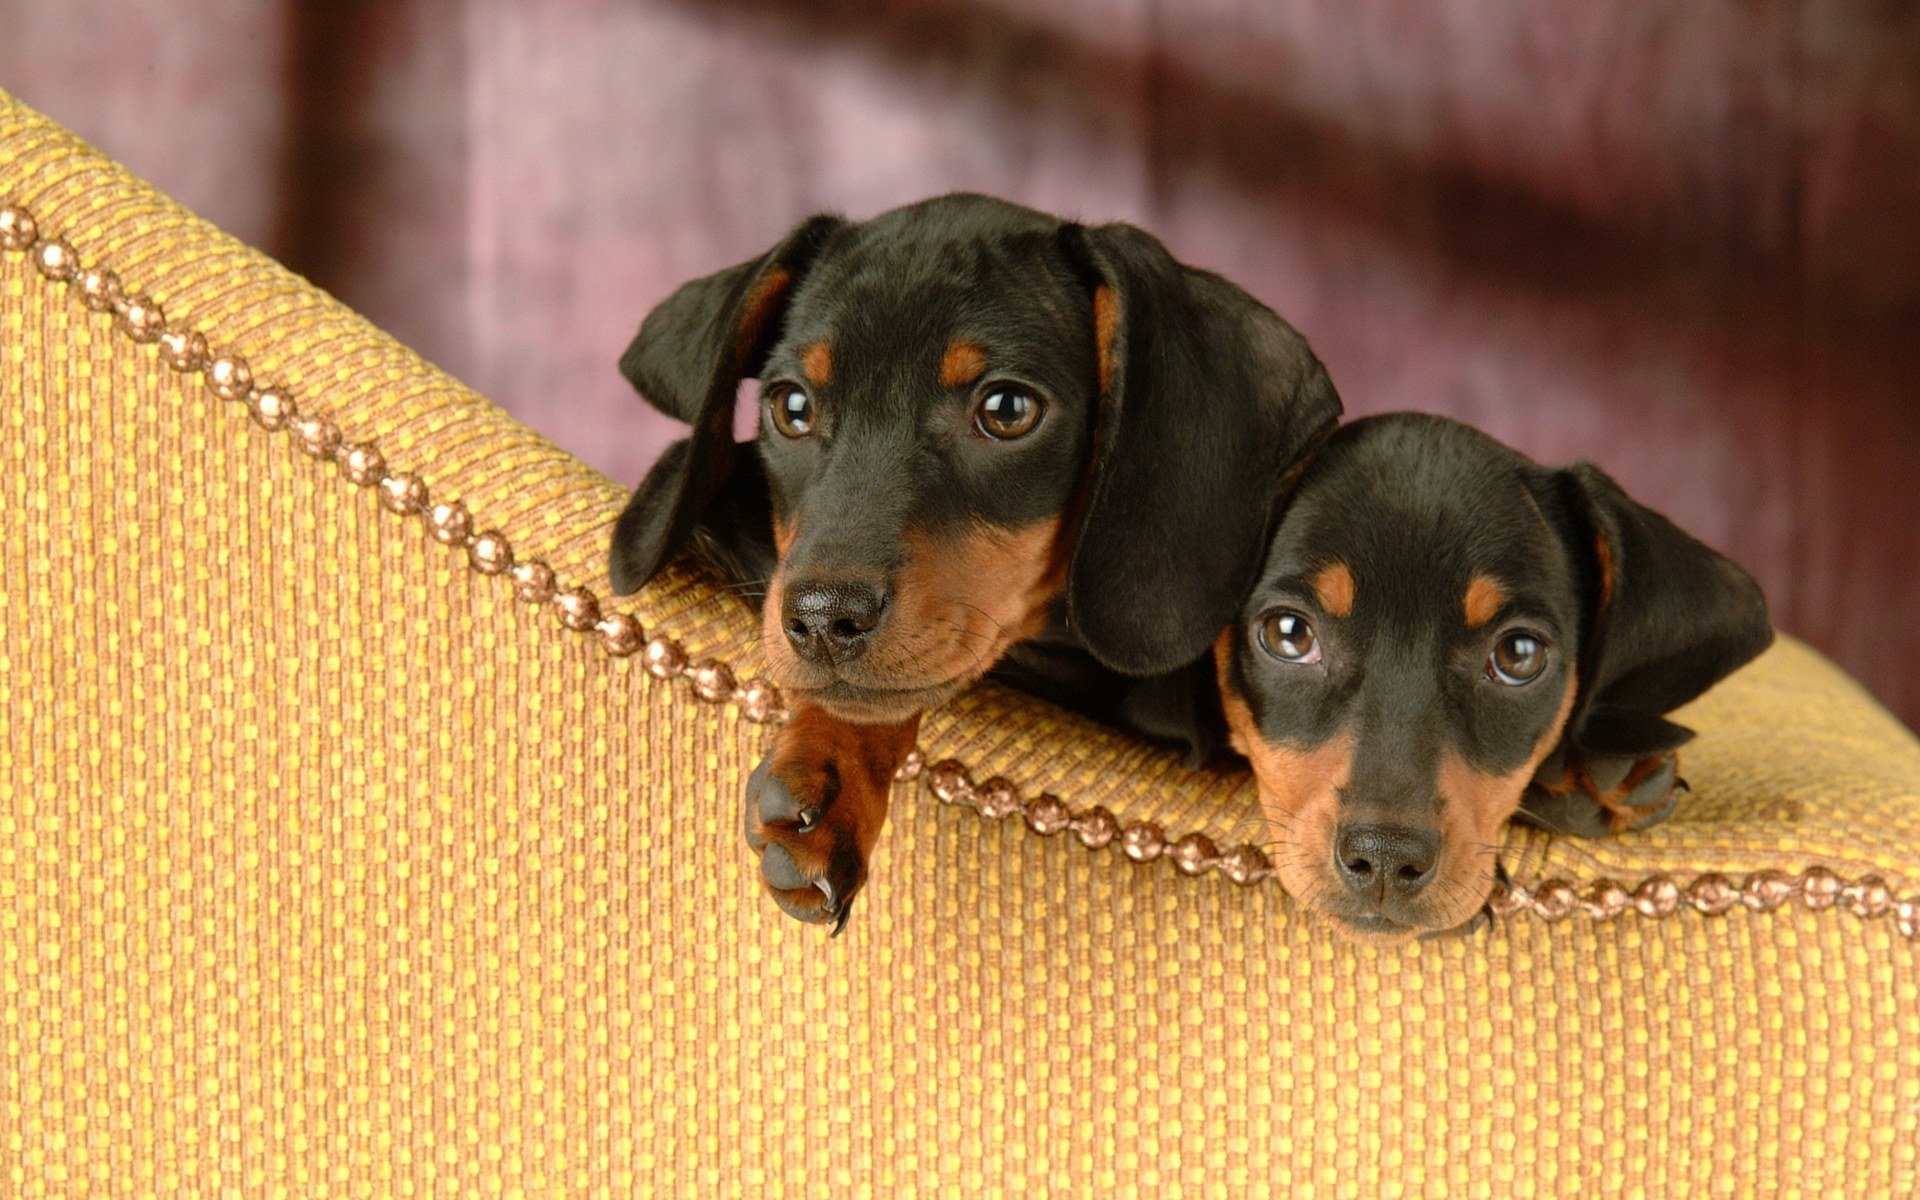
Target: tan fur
pixel 1106 322
pixel 958 605
pixel 756 307
pixel 1484 600
pixel 816 362
pixel 1603 556
pixel 963 363
pixel 1333 586
pixel 1476 805
pixel 1299 791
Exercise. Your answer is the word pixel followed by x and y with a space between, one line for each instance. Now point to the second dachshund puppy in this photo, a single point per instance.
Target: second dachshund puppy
pixel 988 437
pixel 1446 635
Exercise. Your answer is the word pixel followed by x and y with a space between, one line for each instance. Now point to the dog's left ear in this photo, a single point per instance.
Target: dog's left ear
pixel 1669 618
pixel 688 359
pixel 1207 399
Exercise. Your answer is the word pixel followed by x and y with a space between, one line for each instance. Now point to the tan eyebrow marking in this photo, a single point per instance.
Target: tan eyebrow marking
pixel 963 363
pixel 1483 600
pixel 1333 585
pixel 816 361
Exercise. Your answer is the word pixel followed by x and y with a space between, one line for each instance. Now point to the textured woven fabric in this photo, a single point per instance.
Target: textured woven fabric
pixel 329 868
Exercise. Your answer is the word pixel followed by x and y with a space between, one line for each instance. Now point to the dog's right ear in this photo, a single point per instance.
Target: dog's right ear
pixel 687 361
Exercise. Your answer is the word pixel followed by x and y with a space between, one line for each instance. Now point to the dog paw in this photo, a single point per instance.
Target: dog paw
pixel 1597 795
pixel 811 860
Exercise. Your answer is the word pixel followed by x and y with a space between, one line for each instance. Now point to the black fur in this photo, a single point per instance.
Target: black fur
pixel 1167 478
pixel 1416 506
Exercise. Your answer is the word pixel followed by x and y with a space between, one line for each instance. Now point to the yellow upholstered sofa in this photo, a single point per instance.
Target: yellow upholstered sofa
pixel 354 843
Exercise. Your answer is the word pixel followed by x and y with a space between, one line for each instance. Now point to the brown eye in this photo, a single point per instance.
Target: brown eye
pixel 1288 637
pixel 1517 658
pixel 1007 413
pixel 792 410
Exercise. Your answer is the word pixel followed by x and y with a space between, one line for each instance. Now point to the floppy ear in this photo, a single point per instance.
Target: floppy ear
pixel 1669 619
pixel 687 361
pixel 1207 399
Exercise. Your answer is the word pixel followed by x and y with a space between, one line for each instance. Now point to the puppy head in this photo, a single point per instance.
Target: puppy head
pixel 1436 615
pixel 973 417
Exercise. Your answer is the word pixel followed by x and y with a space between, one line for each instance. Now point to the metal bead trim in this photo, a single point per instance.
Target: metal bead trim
pixel 664 658
pixel 403 493
pixel 271 408
pixel 230 377
pixel 363 465
pixel 712 681
pixel 620 633
pixel 99 290
pixel 184 352
pixel 532 581
pixel 451 523
pixel 578 610
pixel 491 553
pixel 317 436
pixel 55 259
pixel 18 229
pixel 142 320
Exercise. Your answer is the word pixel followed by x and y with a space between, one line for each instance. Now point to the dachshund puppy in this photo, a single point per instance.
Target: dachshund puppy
pixel 1445 635
pixel 988 438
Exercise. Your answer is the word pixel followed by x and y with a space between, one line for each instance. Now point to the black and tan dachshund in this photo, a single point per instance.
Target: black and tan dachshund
pixel 1446 635
pixel 990 440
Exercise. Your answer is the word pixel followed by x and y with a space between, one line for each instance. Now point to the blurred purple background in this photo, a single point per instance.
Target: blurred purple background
pixel 1678 237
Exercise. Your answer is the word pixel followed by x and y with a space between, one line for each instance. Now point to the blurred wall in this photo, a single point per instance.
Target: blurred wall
pixel 1678 237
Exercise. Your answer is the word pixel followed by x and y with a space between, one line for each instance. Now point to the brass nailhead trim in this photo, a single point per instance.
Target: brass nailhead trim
pixel 712 681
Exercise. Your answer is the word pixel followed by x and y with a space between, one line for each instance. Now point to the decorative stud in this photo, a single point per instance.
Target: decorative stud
pixel 1194 853
pixel 1555 899
pixel 18 229
pixel 533 581
pixel 452 524
pixel 185 352
pixel 1245 865
pixel 1713 894
pixel 997 798
pixel 361 464
pixel 1907 915
pixel 317 436
pixel 271 409
pixel 1143 842
pixel 911 766
pixel 1868 897
pixel 760 703
pixel 229 377
pixel 1048 815
pixel 948 781
pixel 1766 890
pixel 404 493
pixel 491 553
pixel 578 609
pixel 712 681
pixel 1606 900
pixel 1819 888
pixel 99 289
pixel 55 259
pixel 620 633
pixel 664 658
pixel 1096 827
pixel 1657 897
pixel 141 319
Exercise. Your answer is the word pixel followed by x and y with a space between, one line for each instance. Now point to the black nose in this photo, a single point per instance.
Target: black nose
pixel 1380 859
pixel 829 621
